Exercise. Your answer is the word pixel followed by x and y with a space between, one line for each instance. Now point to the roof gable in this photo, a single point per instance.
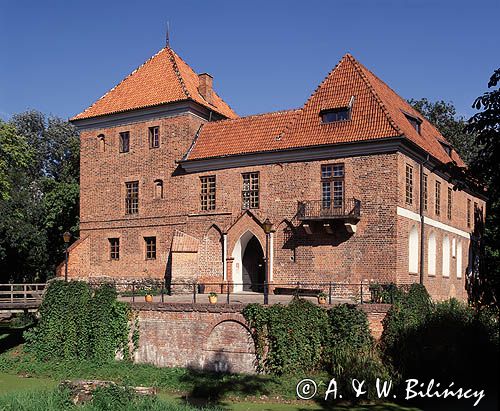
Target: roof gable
pixel 164 78
pixel 376 112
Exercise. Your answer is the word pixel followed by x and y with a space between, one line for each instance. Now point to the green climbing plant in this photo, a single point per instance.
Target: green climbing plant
pixel 78 323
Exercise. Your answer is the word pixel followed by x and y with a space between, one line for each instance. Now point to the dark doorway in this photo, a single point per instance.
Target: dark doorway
pixel 253 266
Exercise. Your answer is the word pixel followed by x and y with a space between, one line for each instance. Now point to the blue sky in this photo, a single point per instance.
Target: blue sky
pixel 60 56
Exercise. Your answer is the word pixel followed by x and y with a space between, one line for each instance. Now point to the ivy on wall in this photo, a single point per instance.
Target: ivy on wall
pixel 302 337
pixel 78 323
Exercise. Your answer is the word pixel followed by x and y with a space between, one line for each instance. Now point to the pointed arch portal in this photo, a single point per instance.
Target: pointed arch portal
pixel 248 264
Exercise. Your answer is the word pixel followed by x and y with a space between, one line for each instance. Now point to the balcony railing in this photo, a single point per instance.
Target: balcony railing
pixel 348 209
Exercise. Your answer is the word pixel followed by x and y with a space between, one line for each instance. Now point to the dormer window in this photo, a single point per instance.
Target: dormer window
pixel 415 122
pixel 446 147
pixel 334 115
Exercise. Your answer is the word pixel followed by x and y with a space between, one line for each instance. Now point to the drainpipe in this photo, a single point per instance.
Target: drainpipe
pixel 422 218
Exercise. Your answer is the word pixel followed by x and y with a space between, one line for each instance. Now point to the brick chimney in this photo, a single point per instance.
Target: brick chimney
pixel 205 87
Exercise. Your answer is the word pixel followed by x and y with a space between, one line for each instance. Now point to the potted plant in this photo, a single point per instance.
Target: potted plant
pixel 149 295
pixel 321 298
pixel 212 298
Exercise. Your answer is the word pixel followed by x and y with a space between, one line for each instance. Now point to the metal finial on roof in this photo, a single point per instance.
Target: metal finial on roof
pixel 168 34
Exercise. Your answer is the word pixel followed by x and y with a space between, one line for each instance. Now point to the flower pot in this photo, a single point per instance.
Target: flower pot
pixel 148 298
pixel 321 300
pixel 212 299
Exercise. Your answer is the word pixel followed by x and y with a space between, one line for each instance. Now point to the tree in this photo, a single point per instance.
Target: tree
pixel 45 202
pixel 14 153
pixel 443 116
pixel 485 127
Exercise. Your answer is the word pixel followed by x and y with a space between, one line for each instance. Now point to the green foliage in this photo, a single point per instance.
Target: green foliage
pixel 39 156
pixel 440 340
pixel 109 399
pixel 349 327
pixel 293 335
pixel 484 288
pixel 14 153
pixel 77 324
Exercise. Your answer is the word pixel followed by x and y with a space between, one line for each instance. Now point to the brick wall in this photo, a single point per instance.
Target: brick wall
pixel 378 251
pixel 203 336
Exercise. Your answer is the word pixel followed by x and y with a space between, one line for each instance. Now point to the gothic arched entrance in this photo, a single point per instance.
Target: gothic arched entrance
pixel 248 264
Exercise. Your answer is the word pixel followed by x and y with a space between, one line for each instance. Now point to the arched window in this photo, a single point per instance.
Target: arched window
pixel 158 189
pixel 446 256
pixel 453 247
pixel 431 256
pixel 101 140
pixel 413 250
pixel 459 259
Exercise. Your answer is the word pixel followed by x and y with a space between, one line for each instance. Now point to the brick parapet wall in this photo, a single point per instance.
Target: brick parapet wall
pixel 207 336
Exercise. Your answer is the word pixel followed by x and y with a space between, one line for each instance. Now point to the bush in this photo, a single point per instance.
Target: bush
pixel 447 341
pixel 76 323
pixel 293 335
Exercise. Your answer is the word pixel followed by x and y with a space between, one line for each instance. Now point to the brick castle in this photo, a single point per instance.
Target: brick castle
pixel 175 185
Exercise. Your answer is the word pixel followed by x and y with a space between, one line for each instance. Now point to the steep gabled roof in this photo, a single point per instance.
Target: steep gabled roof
pixel 377 112
pixel 164 78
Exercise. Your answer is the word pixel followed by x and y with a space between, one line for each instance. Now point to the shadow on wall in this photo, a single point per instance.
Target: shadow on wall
pixel 215 382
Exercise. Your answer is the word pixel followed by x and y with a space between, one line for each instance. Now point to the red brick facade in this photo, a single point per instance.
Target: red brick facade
pixel 199 245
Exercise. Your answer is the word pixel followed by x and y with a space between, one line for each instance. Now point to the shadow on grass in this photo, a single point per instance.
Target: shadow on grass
pixel 10 338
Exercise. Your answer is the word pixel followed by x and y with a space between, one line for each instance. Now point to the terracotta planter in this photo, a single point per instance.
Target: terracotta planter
pixel 212 299
pixel 148 298
pixel 321 300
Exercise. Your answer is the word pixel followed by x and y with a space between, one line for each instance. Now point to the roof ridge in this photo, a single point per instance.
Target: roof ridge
pixel 118 84
pixel 250 116
pixel 172 56
pixel 359 70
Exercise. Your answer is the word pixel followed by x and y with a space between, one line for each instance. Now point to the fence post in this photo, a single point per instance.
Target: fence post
pixel 163 291
pixel 330 294
pixel 194 293
pixel 227 290
pixel 12 293
pixel 133 291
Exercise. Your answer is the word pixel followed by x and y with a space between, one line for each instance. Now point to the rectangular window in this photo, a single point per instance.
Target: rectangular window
pixel 150 248
pixel 425 192
pixel 468 212
pixel 154 137
pixel 250 192
pixel 332 183
pixel 340 114
pixel 207 197
pixel 449 203
pixel 438 198
pixel 409 184
pixel 124 142
pixel 132 197
pixel 114 248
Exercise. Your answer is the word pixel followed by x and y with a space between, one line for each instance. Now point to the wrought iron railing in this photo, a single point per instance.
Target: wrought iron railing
pixel 329 209
pixel 244 293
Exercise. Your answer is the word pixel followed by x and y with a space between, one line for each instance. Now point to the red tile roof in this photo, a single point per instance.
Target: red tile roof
pixel 377 112
pixel 164 78
pixel 260 132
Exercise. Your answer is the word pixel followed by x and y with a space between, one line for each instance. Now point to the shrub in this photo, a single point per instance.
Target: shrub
pixel 78 324
pixel 293 335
